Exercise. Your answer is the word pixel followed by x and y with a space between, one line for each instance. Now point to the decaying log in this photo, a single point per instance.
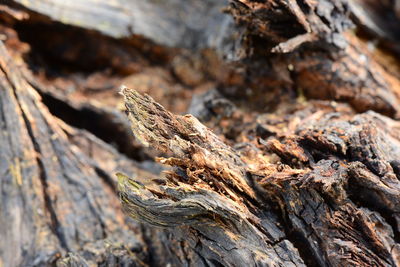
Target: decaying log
pixel 293 159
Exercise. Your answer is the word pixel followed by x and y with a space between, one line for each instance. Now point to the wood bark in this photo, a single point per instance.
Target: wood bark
pixel 290 156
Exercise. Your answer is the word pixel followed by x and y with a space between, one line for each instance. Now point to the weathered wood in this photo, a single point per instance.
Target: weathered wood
pixel 309 46
pixel 209 191
pixel 300 166
pixel 347 203
pixel 333 205
pixel 54 198
pixel 190 24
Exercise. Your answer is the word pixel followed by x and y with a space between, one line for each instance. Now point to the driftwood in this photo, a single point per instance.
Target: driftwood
pixel 293 159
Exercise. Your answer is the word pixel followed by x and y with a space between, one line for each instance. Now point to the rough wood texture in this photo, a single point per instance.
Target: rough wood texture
pixel 293 159
pixel 336 205
pixel 307 45
pixel 209 191
pixel 346 202
pixel 54 198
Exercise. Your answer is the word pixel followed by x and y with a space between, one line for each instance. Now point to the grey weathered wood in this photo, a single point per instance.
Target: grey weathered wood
pixel 190 24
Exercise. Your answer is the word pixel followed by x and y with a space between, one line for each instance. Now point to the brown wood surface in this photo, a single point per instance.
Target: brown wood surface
pixel 290 155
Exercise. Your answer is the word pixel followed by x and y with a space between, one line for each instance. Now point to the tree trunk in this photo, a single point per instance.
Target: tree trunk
pixel 290 157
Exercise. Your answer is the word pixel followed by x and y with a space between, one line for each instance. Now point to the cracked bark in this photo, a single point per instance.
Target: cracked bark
pixel 53 199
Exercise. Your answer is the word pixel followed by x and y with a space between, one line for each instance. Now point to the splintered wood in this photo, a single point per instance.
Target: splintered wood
pixel 214 187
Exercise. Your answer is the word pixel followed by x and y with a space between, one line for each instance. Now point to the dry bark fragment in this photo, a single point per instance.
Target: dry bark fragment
pixel 208 198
